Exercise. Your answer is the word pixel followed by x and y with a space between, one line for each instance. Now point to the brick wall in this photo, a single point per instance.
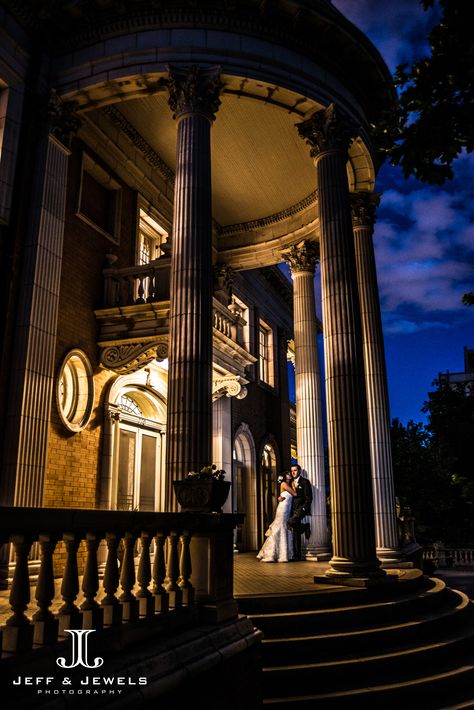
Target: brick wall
pixel 74 459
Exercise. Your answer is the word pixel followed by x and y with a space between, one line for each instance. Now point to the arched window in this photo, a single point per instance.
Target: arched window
pixel 268 489
pixel 137 416
pixel 245 488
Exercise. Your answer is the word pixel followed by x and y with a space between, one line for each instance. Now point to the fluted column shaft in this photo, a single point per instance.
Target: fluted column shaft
pixel 189 429
pixel 309 425
pixel 32 374
pixel 363 207
pixel 329 135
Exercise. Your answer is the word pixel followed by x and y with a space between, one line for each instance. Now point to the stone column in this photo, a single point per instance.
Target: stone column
pixel 363 216
pixel 194 99
pixel 309 422
pixel 354 560
pixel 32 373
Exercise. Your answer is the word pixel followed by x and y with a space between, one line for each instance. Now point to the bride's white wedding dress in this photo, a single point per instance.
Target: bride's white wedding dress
pixel 278 547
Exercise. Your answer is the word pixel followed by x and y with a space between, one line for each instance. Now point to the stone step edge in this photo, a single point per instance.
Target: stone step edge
pixel 438 588
pixel 384 687
pixel 391 655
pixel 425 619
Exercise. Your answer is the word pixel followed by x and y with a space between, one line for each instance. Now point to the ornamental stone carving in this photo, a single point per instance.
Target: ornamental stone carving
pixel 130 357
pixel 363 208
pixel 194 90
pixel 223 280
pixel 62 119
pixel 230 386
pixel 328 130
pixel 302 257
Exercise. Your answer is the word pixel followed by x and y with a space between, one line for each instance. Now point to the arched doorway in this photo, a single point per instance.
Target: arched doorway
pixel 268 483
pixel 134 447
pixel 245 488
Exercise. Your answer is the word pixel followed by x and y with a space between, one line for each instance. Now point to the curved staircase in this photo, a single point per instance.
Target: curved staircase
pixel 409 644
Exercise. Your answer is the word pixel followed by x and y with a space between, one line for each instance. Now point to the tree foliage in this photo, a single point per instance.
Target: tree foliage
pixel 436 99
pixel 433 469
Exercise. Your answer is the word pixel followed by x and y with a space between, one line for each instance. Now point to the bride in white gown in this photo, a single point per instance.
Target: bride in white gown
pixel 278 547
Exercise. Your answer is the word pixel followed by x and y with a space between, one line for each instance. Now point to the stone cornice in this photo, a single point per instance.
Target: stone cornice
pixel 328 130
pixel 363 208
pixel 118 119
pixel 131 357
pixel 256 224
pixel 341 47
pixel 194 91
pixel 302 257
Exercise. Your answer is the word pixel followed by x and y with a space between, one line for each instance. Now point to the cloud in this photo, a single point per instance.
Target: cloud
pixel 398 30
pixel 407 327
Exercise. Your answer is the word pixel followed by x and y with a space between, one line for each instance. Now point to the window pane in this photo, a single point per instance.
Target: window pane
pixel 126 470
pixel 147 473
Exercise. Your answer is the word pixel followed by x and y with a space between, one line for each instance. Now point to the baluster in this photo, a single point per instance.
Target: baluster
pixel 131 290
pixel 141 288
pixel 111 606
pixel 18 633
pixel 159 574
pixel 151 287
pixel 145 597
pixel 92 616
pixel 46 625
pixel 185 569
pixel 69 614
pixel 172 572
pixel 129 603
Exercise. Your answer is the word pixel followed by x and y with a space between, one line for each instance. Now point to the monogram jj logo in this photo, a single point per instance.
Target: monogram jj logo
pixel 79 651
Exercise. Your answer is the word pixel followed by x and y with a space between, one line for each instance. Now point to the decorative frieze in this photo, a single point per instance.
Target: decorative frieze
pixel 194 90
pixel 327 130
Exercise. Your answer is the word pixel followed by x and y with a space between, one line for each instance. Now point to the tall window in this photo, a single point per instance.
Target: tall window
pixel 265 353
pixel 138 452
pixel 150 238
pixel 99 199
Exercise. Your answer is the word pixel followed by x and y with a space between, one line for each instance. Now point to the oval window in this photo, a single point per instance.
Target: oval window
pixel 75 390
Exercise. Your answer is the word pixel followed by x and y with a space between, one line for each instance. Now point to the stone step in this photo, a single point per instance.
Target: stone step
pixel 355 616
pixel 355 671
pixel 311 647
pixel 330 596
pixel 451 688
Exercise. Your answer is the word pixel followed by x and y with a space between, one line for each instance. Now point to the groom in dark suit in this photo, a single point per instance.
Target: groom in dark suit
pixel 301 506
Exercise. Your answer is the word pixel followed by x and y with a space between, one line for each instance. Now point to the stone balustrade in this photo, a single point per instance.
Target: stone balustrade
pixel 227 322
pixel 164 564
pixel 446 557
pixel 145 283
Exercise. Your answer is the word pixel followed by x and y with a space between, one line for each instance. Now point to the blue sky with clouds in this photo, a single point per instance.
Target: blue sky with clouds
pixel 424 236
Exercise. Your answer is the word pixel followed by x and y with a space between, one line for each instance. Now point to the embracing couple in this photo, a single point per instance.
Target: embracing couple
pixel 283 543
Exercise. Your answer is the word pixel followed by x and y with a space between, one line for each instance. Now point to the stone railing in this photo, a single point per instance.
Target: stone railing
pixel 132 285
pixel 227 322
pixel 446 557
pixel 165 564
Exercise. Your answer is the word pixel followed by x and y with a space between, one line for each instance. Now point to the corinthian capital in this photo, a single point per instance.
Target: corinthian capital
pixel 363 208
pixel 62 119
pixel 302 257
pixel 194 90
pixel 328 130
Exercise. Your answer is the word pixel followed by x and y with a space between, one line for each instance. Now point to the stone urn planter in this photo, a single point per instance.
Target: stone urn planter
pixel 201 495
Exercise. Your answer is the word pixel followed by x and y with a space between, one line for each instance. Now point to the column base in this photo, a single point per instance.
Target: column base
pixel 318 554
pixel 353 573
pixel 346 580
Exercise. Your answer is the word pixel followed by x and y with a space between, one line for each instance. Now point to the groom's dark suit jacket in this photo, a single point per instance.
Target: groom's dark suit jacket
pixel 303 498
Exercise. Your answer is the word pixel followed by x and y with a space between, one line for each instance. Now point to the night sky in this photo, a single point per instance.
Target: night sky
pixel 424 236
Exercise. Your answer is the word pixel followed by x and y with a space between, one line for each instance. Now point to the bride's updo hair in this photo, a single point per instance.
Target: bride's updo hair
pixel 280 479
